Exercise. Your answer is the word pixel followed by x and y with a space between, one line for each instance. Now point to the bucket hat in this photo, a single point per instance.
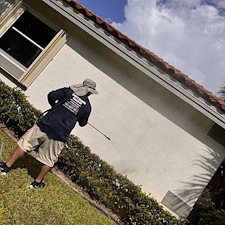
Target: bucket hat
pixel 88 85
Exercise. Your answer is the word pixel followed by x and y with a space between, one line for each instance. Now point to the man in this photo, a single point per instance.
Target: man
pixel 45 140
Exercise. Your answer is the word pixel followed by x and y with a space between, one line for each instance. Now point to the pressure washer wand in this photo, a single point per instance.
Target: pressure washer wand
pixel 99 131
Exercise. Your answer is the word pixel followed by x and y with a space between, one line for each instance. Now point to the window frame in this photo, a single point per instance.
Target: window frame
pixel 12 66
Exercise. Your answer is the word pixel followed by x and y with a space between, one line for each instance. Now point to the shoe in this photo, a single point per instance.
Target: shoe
pixel 36 184
pixel 4 169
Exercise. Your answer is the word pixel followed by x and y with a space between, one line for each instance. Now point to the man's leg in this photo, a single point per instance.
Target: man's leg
pixel 16 155
pixel 48 155
pixel 6 167
pixel 43 172
pixel 38 181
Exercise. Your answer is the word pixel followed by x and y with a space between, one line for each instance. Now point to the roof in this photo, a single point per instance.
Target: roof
pixel 160 63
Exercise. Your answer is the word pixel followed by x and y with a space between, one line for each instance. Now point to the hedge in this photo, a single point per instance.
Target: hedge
pixel 206 211
pixel 15 111
pixel 86 169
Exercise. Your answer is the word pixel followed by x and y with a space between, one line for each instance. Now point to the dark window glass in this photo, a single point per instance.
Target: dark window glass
pixel 16 41
pixel 35 29
pixel 19 48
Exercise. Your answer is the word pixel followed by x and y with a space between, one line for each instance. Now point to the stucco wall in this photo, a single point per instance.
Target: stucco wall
pixel 157 140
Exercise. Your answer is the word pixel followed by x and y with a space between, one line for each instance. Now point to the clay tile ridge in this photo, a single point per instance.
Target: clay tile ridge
pixel 176 74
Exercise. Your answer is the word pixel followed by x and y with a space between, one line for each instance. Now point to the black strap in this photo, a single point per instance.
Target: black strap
pixel 38 118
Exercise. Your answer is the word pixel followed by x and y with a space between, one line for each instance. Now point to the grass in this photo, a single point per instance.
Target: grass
pixel 56 204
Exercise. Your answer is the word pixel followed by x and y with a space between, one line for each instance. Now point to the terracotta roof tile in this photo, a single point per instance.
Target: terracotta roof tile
pixel 172 71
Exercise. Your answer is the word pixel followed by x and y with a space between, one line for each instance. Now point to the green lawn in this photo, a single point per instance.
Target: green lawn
pixel 56 204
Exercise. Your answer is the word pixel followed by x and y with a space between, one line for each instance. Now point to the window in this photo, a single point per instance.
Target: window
pixel 27 44
pixel 26 39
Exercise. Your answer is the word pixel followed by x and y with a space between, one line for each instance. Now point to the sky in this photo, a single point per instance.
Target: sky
pixel 188 34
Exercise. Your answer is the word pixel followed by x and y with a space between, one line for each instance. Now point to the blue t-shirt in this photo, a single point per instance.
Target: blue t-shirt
pixel 67 109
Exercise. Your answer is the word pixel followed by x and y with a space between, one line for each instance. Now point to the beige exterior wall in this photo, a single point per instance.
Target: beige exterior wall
pixel 157 140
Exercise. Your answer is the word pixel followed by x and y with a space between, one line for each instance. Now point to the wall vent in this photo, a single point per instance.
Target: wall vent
pixel 177 205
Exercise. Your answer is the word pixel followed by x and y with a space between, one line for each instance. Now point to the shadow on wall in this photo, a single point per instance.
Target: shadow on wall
pixel 182 201
pixel 208 165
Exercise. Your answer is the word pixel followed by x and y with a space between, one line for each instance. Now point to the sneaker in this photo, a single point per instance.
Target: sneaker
pixel 4 169
pixel 36 184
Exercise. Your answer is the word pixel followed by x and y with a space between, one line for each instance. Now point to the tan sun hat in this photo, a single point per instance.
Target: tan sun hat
pixel 82 89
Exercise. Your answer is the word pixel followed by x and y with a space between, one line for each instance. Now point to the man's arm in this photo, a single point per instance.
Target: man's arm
pixel 54 96
pixel 84 119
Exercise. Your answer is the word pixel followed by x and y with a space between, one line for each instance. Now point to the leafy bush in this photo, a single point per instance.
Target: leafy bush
pixel 211 216
pixel 15 111
pixel 206 211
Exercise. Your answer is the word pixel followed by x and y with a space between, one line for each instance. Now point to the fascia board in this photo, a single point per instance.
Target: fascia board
pixel 140 63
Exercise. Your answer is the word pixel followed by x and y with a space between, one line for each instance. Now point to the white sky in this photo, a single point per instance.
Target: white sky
pixel 188 34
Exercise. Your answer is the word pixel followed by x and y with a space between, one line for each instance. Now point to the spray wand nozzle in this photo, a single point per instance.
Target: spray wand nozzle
pixel 99 131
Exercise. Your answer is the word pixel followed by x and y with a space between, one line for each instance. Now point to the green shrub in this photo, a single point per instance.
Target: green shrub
pixel 212 217
pixel 15 111
pixel 206 211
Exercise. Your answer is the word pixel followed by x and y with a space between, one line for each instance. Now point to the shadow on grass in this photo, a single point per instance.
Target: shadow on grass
pixel 28 162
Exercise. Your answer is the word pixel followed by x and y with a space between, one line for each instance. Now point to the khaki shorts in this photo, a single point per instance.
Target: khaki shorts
pixel 42 147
